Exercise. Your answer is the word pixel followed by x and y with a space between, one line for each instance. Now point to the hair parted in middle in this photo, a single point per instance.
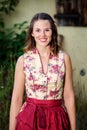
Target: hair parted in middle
pixel 30 42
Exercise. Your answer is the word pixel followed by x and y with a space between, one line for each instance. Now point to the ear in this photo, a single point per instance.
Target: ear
pixel 32 34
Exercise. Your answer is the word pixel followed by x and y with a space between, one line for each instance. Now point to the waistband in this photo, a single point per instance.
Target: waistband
pixel 37 107
pixel 44 103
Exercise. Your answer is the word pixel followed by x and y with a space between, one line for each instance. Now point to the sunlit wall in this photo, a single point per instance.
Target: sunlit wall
pixel 75 38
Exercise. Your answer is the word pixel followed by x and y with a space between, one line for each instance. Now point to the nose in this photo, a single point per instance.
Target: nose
pixel 43 33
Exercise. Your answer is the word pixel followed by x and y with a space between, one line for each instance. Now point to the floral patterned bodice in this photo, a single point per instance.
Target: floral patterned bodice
pixel 44 86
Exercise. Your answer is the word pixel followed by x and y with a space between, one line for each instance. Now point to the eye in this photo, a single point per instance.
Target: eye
pixel 48 29
pixel 37 30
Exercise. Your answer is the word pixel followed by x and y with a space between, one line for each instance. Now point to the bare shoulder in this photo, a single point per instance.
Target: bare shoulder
pixel 20 59
pixel 20 62
pixel 66 56
pixel 67 59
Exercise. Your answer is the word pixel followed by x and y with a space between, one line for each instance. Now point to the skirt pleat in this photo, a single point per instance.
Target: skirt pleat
pixel 43 115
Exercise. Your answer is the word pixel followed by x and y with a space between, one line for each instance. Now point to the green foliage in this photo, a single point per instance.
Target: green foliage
pixel 5 98
pixel 11 43
pixel 7 6
pixel 81 108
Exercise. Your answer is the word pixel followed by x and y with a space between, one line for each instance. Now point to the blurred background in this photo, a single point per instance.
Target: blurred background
pixel 70 17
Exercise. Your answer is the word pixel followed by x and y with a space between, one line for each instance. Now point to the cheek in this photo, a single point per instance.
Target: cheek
pixel 35 38
pixel 50 36
pixel 35 35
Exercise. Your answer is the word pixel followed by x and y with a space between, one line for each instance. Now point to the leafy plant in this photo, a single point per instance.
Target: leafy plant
pixel 11 44
pixel 12 41
pixel 7 6
pixel 81 107
pixel 5 97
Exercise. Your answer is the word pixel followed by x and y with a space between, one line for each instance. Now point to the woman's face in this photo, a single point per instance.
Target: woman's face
pixel 42 33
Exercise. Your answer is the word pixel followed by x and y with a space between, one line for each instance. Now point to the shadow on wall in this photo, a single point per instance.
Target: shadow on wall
pixel 60 40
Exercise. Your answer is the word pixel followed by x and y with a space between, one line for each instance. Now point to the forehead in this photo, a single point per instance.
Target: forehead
pixel 42 23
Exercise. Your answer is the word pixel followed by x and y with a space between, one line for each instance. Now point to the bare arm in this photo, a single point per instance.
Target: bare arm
pixel 69 97
pixel 18 92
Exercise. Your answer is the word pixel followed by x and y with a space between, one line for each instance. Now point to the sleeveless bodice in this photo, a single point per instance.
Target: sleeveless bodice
pixel 44 86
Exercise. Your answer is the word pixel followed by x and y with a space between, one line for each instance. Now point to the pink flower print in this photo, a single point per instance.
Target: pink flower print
pixel 26 68
pixel 61 75
pixel 48 79
pixel 55 58
pixel 61 61
pixel 32 88
pixel 44 89
pixel 55 69
pixel 40 70
pixel 30 77
pixel 31 58
pixel 40 87
pixel 53 93
pixel 27 57
pixel 34 51
pixel 37 87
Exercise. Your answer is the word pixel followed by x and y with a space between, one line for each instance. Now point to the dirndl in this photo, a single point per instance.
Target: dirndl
pixel 43 115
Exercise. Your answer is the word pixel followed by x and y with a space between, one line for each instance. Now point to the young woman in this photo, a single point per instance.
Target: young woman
pixel 45 72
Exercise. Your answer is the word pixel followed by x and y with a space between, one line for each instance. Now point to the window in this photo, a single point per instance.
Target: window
pixel 71 12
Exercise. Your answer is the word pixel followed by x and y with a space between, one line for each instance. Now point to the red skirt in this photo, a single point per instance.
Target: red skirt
pixel 43 115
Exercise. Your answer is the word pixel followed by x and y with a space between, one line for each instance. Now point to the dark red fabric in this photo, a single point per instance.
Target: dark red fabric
pixel 43 115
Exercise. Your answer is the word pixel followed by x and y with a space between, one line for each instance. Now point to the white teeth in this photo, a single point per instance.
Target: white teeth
pixel 42 40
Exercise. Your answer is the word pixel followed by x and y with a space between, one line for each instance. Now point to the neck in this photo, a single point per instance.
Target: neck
pixel 44 51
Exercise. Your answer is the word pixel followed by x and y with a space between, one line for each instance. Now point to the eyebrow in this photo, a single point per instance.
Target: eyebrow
pixel 44 28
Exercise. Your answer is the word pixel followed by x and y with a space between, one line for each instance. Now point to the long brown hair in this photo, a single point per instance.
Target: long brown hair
pixel 30 42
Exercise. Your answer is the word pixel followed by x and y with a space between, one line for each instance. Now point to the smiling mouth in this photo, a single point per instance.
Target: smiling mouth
pixel 43 39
